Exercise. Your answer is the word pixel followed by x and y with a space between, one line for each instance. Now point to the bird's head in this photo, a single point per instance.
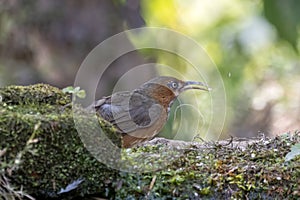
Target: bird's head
pixel 165 88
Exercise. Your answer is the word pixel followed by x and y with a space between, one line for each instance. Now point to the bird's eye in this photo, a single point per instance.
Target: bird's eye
pixel 174 85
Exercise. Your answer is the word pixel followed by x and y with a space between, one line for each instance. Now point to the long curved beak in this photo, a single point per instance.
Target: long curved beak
pixel 195 85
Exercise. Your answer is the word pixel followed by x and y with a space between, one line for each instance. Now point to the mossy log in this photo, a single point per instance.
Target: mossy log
pixel 42 152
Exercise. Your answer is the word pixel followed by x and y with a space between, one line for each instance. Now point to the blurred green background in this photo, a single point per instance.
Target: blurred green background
pixel 254 44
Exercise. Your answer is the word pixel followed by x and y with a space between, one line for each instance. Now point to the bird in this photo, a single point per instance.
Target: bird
pixel 139 115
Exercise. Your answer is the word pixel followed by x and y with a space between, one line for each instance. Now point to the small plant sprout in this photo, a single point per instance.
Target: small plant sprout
pixel 76 91
pixel 295 151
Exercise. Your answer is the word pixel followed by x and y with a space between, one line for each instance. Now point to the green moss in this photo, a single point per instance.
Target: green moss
pixel 35 124
pixel 222 172
pixel 34 94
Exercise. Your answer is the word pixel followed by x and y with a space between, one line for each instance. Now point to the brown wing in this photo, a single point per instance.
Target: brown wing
pixel 129 111
pixel 112 107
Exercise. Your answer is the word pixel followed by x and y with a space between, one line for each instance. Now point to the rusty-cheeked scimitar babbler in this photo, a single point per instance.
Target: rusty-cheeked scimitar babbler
pixel 141 114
